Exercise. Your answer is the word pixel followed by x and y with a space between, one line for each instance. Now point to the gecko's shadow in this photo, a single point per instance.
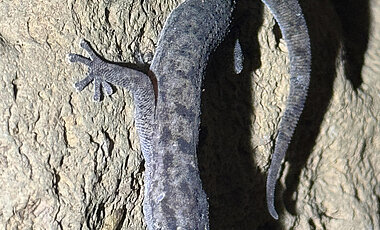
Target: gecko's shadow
pixel 354 17
pixel 235 186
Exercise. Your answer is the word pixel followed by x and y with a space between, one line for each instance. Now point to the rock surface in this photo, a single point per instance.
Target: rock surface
pixel 69 163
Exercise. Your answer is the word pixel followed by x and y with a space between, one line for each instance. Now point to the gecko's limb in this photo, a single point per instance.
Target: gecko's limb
pixel 140 85
pixel 292 23
pixel 104 73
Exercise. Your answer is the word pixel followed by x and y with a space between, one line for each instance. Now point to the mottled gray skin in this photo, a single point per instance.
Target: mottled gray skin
pixel 176 198
pixel 167 105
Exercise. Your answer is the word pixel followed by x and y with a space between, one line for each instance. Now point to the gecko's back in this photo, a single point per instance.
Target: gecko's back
pixel 190 34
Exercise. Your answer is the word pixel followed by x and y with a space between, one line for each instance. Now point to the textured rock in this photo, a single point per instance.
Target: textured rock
pixel 69 163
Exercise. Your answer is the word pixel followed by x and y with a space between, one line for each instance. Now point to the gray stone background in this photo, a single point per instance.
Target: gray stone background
pixel 69 163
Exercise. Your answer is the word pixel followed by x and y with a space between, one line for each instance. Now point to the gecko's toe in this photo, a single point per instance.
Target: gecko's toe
pixel 78 58
pixel 80 85
pixel 86 46
pixel 83 43
pixel 107 89
pixel 97 92
pixel 71 57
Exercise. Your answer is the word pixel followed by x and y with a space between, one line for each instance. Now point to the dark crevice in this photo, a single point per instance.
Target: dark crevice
pixel 107 16
pixel 15 89
pixel 111 143
pixel 354 17
pixel 122 219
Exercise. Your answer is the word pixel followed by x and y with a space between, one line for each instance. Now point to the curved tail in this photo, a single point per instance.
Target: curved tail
pixel 292 23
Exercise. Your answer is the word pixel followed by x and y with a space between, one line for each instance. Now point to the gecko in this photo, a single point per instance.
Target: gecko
pixel 167 104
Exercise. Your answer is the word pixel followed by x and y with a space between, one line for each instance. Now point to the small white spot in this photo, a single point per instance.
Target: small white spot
pixel 160 197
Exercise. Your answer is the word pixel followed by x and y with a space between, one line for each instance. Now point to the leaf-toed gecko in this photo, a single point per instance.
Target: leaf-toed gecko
pixel 167 104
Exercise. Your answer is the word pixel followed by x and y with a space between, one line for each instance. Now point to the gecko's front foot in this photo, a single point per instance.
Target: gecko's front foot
pixel 97 69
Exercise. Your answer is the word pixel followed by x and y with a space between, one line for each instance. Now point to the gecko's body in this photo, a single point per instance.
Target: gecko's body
pixel 168 111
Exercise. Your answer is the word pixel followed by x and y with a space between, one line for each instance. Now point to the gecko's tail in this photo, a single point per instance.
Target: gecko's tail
pixel 292 23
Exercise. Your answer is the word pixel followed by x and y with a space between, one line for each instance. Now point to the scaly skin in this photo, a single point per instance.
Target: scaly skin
pixel 167 104
pixel 292 23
